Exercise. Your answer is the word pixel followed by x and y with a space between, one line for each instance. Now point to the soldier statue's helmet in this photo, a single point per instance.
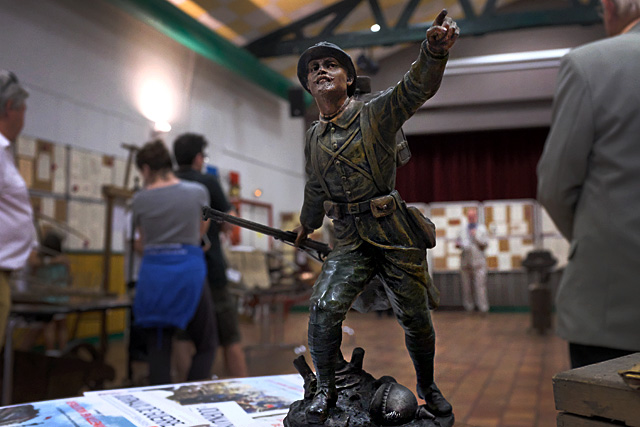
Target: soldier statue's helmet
pixel 323 50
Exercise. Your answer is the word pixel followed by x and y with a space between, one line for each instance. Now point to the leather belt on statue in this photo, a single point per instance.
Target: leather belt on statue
pixel 378 206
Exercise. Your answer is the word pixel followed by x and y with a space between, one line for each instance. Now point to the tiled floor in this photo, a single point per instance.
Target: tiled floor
pixel 492 368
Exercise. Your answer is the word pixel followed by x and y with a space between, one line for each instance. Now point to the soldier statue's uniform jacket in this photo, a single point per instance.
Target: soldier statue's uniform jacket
pixel 351 170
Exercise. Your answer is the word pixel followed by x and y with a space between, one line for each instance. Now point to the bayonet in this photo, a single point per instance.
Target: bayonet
pixel 313 248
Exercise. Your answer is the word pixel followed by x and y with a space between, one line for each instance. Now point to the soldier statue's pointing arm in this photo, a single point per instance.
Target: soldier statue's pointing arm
pixel 350 163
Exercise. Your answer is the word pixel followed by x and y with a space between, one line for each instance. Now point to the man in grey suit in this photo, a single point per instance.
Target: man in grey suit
pixel 589 182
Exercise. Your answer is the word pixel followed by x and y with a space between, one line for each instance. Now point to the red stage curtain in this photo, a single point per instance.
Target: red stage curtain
pixel 488 165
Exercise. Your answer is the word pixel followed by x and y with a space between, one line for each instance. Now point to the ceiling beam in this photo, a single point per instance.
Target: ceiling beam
pixel 339 11
pixel 407 13
pixel 489 7
pixel 287 40
pixel 338 18
pixel 467 8
pixel 378 16
pixel 173 22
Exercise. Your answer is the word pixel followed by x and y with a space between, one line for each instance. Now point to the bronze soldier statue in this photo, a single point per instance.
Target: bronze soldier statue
pixel 351 163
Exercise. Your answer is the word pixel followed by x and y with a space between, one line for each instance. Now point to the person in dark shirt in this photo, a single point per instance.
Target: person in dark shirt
pixel 171 292
pixel 189 152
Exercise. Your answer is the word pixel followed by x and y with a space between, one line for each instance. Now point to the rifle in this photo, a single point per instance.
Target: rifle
pixel 313 248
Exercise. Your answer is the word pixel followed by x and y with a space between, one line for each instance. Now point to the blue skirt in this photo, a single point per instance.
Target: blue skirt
pixel 169 285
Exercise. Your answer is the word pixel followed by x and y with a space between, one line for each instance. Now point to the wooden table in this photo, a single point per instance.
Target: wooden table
pixel 271 306
pixel 25 307
pixel 596 395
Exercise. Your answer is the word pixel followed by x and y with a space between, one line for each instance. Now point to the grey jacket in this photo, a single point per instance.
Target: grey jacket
pixel 589 182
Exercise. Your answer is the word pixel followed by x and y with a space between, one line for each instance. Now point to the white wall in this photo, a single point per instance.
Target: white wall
pixel 86 63
pixel 489 100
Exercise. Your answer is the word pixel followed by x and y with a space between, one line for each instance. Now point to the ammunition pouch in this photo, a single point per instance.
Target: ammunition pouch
pixel 422 226
pixel 383 206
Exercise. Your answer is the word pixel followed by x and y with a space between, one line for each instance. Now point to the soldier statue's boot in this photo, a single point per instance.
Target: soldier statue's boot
pixel 435 401
pixel 421 348
pixel 324 346
pixel 318 410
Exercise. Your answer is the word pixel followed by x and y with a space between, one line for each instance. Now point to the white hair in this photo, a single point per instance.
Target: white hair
pixel 11 90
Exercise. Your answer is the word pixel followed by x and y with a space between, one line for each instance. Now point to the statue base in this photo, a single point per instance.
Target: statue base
pixel 363 401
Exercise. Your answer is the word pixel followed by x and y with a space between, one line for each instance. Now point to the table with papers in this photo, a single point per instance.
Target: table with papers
pixel 239 402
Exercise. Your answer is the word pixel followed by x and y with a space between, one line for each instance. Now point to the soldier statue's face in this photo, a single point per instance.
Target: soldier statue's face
pixel 327 75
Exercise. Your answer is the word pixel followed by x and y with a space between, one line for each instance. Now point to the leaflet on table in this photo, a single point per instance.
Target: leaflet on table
pixel 152 409
pixel 255 395
pixel 89 411
pixel 223 414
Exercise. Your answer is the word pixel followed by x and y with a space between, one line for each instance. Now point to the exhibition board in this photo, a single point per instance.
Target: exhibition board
pixel 65 184
pixel 448 219
pixel 515 227
pixel 42 164
pixel 65 187
pixel 511 226
pixel 552 240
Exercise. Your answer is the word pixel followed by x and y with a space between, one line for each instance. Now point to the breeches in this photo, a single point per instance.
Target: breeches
pixel 345 274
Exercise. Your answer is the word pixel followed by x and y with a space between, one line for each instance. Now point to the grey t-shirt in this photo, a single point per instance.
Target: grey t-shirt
pixel 170 214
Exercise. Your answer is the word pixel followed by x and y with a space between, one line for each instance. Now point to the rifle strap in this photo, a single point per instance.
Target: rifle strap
pixel 369 152
pixel 367 141
pixel 314 141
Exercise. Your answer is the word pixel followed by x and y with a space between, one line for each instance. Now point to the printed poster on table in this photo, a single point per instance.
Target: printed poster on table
pixel 223 414
pixel 152 410
pixel 249 401
pixel 79 412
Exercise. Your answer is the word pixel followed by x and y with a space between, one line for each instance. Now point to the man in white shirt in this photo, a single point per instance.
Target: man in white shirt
pixel 17 233
pixel 472 240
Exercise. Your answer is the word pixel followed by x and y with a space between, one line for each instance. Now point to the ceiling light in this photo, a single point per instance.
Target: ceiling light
pixel 162 127
pixel 157 99
pixel 375 28
pixel 506 62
